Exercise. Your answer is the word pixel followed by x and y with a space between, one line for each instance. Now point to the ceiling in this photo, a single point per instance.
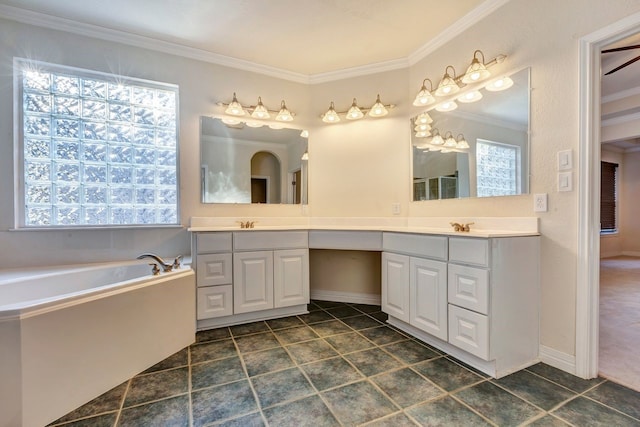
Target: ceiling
pixel 306 37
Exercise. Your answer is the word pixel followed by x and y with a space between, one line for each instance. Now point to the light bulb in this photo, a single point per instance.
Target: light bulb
pixel 260 112
pixel 235 108
pixel 354 112
pixel 331 116
pixel 378 109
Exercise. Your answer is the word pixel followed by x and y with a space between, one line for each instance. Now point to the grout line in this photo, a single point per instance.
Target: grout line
pixel 124 395
pixel 190 387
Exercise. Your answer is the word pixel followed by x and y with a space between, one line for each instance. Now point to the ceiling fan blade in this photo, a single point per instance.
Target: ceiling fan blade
pixel 620 49
pixel 637 58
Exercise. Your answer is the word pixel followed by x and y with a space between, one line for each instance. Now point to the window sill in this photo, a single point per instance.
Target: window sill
pixel 100 227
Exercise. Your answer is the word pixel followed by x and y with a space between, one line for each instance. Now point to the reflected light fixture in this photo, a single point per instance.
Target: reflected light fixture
pixel 254 124
pixel 448 84
pixel 304 133
pixel 473 96
pixel 331 116
pixel 461 143
pixel 423 134
pixel 231 121
pixel 284 115
pixel 499 84
pixel 424 97
pixel 447 106
pixel 449 140
pixel 235 108
pixel 477 71
pixel 422 128
pixel 354 112
pixel 424 118
pixel 260 112
pixel 437 138
pixel 305 155
pixel 378 109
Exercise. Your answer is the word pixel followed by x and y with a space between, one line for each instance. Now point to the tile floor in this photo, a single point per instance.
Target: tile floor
pixel 340 365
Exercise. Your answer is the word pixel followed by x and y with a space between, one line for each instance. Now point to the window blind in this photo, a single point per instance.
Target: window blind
pixel 608 196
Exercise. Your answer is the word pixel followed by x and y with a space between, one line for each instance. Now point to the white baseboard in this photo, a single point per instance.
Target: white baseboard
pixel 610 254
pixel 352 297
pixel 558 359
pixel 631 253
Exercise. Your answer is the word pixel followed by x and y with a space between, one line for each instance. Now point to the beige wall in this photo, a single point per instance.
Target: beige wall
pixel 355 169
pixel 629 204
pixel 345 271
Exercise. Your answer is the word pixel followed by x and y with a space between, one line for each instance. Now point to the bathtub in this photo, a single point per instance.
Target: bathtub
pixel 69 334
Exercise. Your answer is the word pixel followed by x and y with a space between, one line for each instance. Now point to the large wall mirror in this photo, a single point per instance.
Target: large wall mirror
pixel 243 164
pixel 496 161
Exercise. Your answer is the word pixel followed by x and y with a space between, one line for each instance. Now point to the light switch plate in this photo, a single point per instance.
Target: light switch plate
pixel 540 202
pixel 565 160
pixel 395 208
pixel 565 181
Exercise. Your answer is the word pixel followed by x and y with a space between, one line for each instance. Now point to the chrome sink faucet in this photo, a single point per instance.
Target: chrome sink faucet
pixel 247 224
pixel 165 266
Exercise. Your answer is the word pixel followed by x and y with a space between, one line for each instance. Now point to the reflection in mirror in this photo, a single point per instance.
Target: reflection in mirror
pixel 242 164
pixel 496 162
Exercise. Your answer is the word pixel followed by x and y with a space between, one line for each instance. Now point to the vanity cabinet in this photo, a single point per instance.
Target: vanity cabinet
pixel 478 299
pixel 250 275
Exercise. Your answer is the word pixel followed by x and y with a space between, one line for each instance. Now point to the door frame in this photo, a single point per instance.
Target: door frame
pixel 588 265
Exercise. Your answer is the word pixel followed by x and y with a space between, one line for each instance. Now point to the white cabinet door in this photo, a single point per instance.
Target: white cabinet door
pixel 214 301
pixel 395 285
pixel 213 269
pixel 428 296
pixel 290 277
pixel 469 331
pixel 253 281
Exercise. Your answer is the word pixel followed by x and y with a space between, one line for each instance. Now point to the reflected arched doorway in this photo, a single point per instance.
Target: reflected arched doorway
pixel 265 178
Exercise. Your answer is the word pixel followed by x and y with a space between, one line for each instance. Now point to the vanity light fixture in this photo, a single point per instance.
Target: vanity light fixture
pixel 461 143
pixel 254 124
pixel 449 140
pixel 423 134
pixel 422 128
pixel 284 115
pixel 354 112
pixel 260 111
pixel 275 126
pixel 231 121
pixel 424 97
pixel 468 97
pixel 305 155
pixel 477 71
pixel 424 118
pixel 331 116
pixel 304 133
pixel 446 106
pixel 499 84
pixel 448 85
pixel 437 138
pixel 378 109
pixel 235 108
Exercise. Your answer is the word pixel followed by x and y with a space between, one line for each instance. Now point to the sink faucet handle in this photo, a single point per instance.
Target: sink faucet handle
pixel 155 270
pixel 177 262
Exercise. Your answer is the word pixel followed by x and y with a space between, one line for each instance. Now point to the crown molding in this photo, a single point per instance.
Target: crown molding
pixel 89 30
pixel 621 95
pixel 457 28
pixel 618 120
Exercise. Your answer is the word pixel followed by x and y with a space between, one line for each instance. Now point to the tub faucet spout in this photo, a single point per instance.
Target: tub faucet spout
pixel 166 267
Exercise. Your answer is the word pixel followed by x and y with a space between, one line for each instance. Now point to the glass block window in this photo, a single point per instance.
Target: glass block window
pixel 96 149
pixel 497 169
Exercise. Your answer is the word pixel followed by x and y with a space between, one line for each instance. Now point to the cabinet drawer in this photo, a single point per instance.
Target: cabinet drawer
pixel 469 331
pixel 266 240
pixel 214 301
pixel 469 251
pixel 421 245
pixel 214 269
pixel 468 287
pixel 213 242
pixel 348 240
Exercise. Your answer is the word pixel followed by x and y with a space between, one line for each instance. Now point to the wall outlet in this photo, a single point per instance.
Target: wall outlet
pixel 540 202
pixel 395 208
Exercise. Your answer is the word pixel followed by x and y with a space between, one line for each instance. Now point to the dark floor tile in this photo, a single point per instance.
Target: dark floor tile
pixel 585 412
pixel 281 386
pixel 315 317
pixel 222 402
pixel 213 334
pixel 548 421
pixel 157 385
pixel 373 361
pixel 469 367
pixel 366 308
pixel 361 322
pixel 310 351
pixel 176 360
pixel 496 404
pixel 382 335
pixel 216 372
pixel 249 328
pixel 618 397
pixel 106 402
pixel 445 412
pixel 330 373
pixel 104 420
pixel 344 311
pixel 346 343
pixel 310 411
pixel 285 322
pixel 563 378
pixel 447 374
pixel 410 351
pixel 294 335
pixel 358 403
pixel 328 304
pixel 251 420
pixel 257 342
pixel 168 412
pixel 535 389
pixel 313 306
pixel 331 327
pixel 407 388
pixel 212 350
pixel 379 315
pixel 265 361
pixel 397 420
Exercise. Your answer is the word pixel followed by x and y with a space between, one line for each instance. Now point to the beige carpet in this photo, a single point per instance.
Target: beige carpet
pixel 619 357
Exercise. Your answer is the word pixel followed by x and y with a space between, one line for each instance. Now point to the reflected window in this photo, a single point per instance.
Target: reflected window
pixel 497 169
